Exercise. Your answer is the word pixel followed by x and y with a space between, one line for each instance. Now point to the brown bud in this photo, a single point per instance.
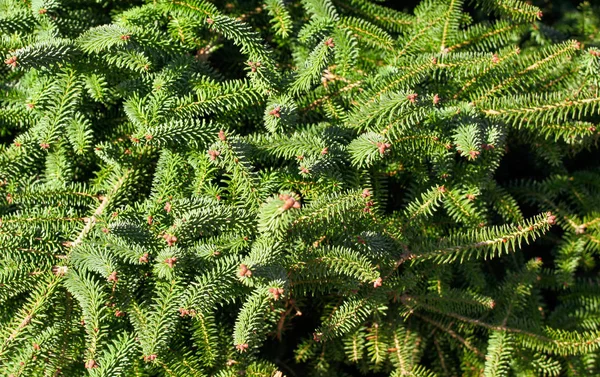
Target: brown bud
pixel 119 313
pixel 113 277
pixel 241 347
pixel 244 271
pixel 36 346
pixel 276 112
pixel 150 357
pixel 383 147
pixel 43 11
pixel 378 282
pixel 170 261
pixel 12 61
pixel 276 292
pixel 91 364
pixel 183 312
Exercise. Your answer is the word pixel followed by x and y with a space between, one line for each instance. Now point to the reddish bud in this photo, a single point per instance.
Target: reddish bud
pixel 378 282
pixel 127 151
pixel 144 258
pixel 91 364
pixel 150 219
pixel 241 347
pixel 276 292
pixel 12 61
pixel 442 189
pixel 329 43
pixel 471 197
pixel 213 154
pixel 168 207
pixel 125 37
pixel 222 135
pixel 183 312
pixel 412 97
pixel 148 137
pixel 495 59
pixel 43 11
pixel 434 60
pixel 36 346
pixel 44 145
pixel 209 21
pixel 171 239
pixel 296 205
pixel 276 112
pixel 317 336
pixel 170 261
pixel 150 357
pixel 304 170
pixel 30 106
pixel 595 53
pixel 244 271
pixel 119 313
pixel 366 193
pixel 383 147
pixel 17 144
pixel 551 219
pixel 473 154
pixel 436 99
pixel 113 277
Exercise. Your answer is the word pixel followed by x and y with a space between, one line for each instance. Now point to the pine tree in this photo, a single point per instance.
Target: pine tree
pixel 185 182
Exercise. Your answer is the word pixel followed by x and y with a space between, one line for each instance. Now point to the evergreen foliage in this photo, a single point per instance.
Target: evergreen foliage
pixel 186 185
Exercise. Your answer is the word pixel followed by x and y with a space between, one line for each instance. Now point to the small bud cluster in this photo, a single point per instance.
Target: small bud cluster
pixel 12 61
pixel 241 347
pixel 244 271
pixel 289 202
pixel 378 282
pixel 276 292
pixel 171 239
pixel 383 147
pixel 171 261
pixel 276 112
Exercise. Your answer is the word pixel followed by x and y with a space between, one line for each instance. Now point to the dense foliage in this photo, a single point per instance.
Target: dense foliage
pixel 310 187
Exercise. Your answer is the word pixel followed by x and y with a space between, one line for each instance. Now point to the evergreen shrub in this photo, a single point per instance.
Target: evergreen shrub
pixel 299 188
